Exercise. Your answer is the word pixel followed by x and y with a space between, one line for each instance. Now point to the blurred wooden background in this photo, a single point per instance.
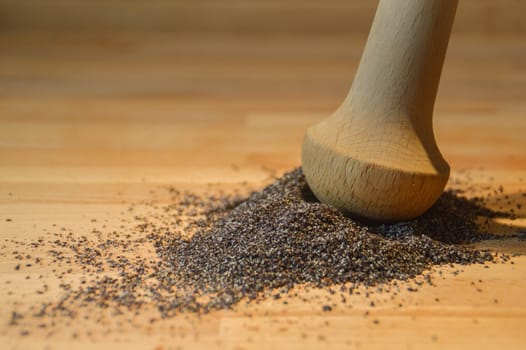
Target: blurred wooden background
pixel 232 61
pixel 237 16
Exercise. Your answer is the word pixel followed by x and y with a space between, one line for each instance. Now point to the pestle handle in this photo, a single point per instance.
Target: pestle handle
pixel 376 157
pixel 399 72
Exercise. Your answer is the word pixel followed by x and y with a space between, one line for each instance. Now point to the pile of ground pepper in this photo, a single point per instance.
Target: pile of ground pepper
pixel 210 252
pixel 282 236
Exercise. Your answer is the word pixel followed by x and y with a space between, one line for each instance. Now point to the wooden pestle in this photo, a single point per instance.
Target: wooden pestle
pixel 376 157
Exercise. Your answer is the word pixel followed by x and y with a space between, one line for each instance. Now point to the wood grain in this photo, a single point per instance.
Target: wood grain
pixel 91 123
pixel 237 16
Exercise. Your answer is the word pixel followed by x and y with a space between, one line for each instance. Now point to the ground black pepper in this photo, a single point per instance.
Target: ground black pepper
pixel 210 252
pixel 282 236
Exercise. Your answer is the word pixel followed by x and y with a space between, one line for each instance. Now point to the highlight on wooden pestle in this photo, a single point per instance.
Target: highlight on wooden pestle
pixel 376 157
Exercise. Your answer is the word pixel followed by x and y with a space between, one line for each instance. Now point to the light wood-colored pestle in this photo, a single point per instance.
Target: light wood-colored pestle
pixel 376 156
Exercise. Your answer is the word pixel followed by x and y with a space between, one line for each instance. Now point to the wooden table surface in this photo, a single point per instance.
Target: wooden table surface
pixel 90 124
